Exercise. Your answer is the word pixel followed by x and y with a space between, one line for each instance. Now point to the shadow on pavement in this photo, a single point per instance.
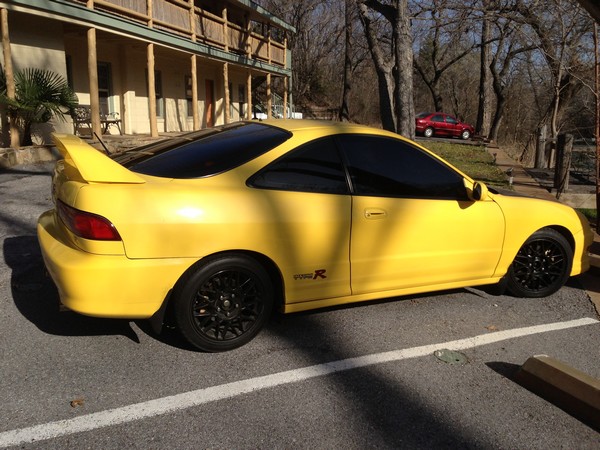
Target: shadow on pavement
pixel 37 299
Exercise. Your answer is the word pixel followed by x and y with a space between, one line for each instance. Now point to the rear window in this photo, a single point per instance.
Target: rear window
pixel 211 154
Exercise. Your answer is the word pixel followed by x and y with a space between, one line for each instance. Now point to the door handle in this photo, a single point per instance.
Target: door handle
pixel 375 213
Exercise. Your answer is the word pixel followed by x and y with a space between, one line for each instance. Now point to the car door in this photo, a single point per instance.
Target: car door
pixel 412 222
pixel 308 194
pixel 439 124
pixel 452 126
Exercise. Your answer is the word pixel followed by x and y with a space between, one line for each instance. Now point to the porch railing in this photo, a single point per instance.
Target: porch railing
pixel 187 20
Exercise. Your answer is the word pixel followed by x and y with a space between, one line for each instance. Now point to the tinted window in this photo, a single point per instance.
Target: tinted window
pixel 437 118
pixel 214 153
pixel 388 167
pixel 451 120
pixel 313 167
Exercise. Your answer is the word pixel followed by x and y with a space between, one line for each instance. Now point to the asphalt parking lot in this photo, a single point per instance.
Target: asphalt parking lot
pixel 356 377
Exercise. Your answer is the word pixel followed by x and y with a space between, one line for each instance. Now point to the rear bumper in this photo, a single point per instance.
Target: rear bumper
pixel 105 285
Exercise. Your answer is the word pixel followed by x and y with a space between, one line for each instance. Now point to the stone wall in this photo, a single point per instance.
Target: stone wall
pixel 27 155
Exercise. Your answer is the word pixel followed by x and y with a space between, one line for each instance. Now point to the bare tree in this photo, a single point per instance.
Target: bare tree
pixel 393 60
pixel 344 114
pixel 508 47
pixel 318 36
pixel 560 30
pixel 446 43
pixel 484 109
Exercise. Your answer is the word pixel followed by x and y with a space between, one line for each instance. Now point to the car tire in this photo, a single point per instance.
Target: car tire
pixel 222 303
pixel 542 265
pixel 428 132
pixel 466 134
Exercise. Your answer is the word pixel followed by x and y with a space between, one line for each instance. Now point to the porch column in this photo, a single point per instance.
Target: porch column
pixel 269 97
pixel 226 92
pixel 225 29
pixel 286 81
pixel 194 71
pixel 195 113
pixel 93 79
pixel 249 95
pixel 152 92
pixel 15 140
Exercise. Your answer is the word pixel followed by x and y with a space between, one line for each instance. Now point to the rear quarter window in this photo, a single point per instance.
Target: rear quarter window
pixel 215 153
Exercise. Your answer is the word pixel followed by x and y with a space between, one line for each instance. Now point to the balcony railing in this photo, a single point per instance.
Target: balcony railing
pixel 189 21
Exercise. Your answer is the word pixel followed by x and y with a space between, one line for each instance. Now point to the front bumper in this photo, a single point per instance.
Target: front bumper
pixel 105 285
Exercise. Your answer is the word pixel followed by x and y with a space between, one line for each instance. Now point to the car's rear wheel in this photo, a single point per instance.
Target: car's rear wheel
pixel 542 265
pixel 428 132
pixel 466 134
pixel 221 304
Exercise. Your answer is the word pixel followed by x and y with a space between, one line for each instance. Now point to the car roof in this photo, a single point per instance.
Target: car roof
pixel 309 125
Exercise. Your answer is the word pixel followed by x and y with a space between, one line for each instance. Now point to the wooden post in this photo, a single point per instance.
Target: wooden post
pixel 15 139
pixel 269 49
pixel 248 37
pixel 152 92
pixel 194 71
pixel 269 99
pixel 249 95
pixel 93 81
pixel 540 149
pixel 195 112
pixel 286 115
pixel 564 149
pixel 225 30
pixel 226 92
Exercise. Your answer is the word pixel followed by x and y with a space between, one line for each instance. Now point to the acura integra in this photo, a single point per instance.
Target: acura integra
pixel 217 227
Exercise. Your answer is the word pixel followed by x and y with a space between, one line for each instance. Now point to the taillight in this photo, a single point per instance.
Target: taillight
pixel 87 225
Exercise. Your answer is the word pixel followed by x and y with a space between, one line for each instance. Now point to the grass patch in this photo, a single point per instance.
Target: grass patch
pixel 590 214
pixel 474 160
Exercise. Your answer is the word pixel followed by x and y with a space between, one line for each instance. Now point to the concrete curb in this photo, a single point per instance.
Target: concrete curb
pixel 566 387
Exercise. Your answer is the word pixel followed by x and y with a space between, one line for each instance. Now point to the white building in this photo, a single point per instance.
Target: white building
pixel 206 57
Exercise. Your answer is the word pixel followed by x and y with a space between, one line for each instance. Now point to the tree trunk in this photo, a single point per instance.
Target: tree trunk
pixel 383 69
pixel 484 110
pixel 27 140
pixel 498 114
pixel 344 114
pixel 405 107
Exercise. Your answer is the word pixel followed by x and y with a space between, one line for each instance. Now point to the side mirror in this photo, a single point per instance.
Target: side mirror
pixel 479 192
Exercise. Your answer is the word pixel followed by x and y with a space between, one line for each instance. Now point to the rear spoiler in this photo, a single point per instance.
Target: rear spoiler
pixel 93 165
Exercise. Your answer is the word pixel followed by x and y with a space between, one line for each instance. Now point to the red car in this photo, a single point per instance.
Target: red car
pixel 440 124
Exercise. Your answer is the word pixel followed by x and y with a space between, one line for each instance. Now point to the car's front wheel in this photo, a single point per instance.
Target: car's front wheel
pixel 428 132
pixel 542 265
pixel 466 134
pixel 221 304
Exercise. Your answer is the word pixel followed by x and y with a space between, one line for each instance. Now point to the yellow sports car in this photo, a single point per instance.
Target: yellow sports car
pixel 219 226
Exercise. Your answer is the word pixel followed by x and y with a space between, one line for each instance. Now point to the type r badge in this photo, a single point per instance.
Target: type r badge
pixel 317 274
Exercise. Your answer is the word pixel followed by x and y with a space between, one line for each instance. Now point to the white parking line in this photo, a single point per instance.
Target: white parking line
pixel 190 399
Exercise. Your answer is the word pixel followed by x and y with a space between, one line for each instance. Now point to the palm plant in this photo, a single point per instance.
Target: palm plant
pixel 40 95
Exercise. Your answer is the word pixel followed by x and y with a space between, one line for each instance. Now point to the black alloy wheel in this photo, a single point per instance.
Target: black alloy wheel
pixel 542 265
pixel 223 303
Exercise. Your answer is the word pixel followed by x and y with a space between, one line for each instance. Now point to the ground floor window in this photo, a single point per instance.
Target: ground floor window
pixel 188 95
pixel 104 87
